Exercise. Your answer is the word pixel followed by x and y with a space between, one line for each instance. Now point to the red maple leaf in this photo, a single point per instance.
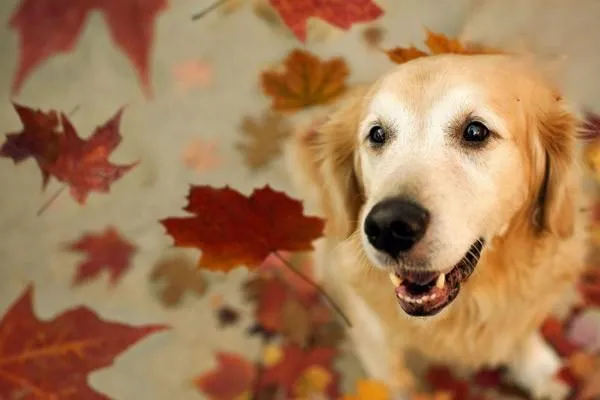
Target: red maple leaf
pixel 229 380
pixel 441 379
pixel 340 13
pixel 39 139
pixel 107 250
pixel 280 264
pixel 554 332
pixel 49 27
pixel 232 229
pixel 83 164
pixel 294 363
pixel 51 359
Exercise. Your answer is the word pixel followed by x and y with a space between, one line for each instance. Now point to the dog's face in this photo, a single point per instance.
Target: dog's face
pixel 444 154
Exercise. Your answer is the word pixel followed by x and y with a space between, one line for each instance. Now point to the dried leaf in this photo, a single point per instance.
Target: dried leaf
pixel 553 331
pixel 202 155
pixel 341 14
pixel 438 43
pixel 401 55
pixel 367 389
pixel 232 377
pixel 232 229
pixel 442 379
pixel 306 81
pixel 177 275
pixel 52 359
pixel 263 139
pixel 589 286
pixel 193 74
pixel 50 27
pixel 373 36
pixel 38 139
pixel 313 383
pixel 105 251
pixel 83 164
pixel 296 322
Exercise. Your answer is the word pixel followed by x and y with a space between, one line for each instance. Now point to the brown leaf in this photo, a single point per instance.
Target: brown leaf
pixel 178 275
pixel 306 81
pixel 401 55
pixel 262 139
pixel 373 36
pixel 296 322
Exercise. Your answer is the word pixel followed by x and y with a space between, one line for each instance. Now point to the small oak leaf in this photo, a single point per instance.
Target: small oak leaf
pixel 263 139
pixel 307 81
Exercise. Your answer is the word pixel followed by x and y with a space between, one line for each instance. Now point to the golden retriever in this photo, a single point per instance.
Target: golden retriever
pixel 451 192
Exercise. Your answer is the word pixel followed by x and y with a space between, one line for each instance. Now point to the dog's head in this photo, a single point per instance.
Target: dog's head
pixel 439 157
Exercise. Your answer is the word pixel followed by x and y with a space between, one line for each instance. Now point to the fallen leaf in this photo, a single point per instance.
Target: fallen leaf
pixel 341 14
pixel 262 139
pixel 193 73
pixel 177 275
pixel 438 43
pixel 584 330
pixel 282 264
pixel 488 378
pixel 330 334
pixel 83 164
pixel 49 27
pixel 306 81
pixel 202 155
pixel 373 36
pixel 294 364
pixel 590 128
pixel 52 359
pixel 105 251
pixel 232 377
pixel 589 286
pixel 401 55
pixel 232 229
pixel 296 322
pixel 553 331
pixel 313 383
pixel 367 389
pixel 270 295
pixel 591 388
pixel 38 139
pixel 442 379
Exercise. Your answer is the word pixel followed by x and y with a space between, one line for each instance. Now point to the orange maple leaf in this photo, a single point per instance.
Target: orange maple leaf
pixel 232 229
pixel 306 81
pixel 342 14
pixel 51 359
pixel 401 55
pixel 367 389
pixel 232 377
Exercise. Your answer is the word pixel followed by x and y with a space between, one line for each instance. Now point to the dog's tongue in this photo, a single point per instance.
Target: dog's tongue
pixel 418 277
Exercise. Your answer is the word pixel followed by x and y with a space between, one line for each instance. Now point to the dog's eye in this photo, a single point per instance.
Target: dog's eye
pixel 476 132
pixel 377 135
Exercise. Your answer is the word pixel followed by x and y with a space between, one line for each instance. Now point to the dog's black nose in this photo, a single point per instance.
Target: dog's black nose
pixel 395 225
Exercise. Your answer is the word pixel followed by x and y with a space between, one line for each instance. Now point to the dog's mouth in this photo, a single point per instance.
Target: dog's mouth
pixel 425 293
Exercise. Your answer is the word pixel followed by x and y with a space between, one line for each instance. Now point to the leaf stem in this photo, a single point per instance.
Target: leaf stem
pixel 208 9
pixel 318 288
pixel 51 200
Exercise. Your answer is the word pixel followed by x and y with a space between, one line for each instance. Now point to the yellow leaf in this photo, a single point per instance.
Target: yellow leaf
pixel 272 355
pixel 313 381
pixel 306 81
pixel 367 389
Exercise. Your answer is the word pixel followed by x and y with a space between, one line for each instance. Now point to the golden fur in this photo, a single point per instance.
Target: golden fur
pixel 534 256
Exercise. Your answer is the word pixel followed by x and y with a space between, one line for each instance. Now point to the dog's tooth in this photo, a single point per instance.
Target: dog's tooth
pixel 441 281
pixel 396 281
pixel 419 301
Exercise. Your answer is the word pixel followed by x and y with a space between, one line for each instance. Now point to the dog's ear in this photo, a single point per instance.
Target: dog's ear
pixel 331 148
pixel 554 210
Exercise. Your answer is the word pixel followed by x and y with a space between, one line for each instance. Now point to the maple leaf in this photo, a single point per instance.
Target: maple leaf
pixel 263 139
pixel 340 13
pixel 401 55
pixel 38 139
pixel 232 229
pixel 232 377
pixel 306 81
pixel 367 389
pixel 589 286
pixel 553 331
pixel 441 379
pixel 83 164
pixel 50 27
pixel 193 73
pixel 107 250
pixel 289 372
pixel 201 155
pixel 51 359
pixel 178 275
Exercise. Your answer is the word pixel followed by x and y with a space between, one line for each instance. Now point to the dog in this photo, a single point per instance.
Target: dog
pixel 451 192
